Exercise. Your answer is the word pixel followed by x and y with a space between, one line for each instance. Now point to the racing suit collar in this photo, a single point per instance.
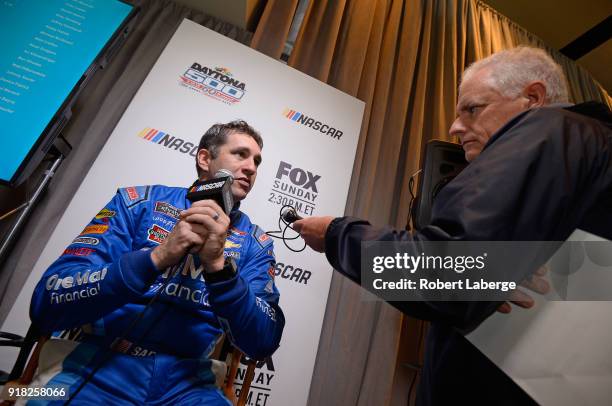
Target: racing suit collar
pixel 235 213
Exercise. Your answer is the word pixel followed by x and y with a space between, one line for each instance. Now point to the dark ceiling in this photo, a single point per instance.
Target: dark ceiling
pixel 586 25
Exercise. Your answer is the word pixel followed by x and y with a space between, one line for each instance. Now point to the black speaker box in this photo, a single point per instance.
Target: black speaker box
pixel 442 162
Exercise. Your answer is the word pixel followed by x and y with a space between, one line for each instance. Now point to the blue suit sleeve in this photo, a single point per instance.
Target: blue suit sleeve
pixel 247 305
pixel 98 273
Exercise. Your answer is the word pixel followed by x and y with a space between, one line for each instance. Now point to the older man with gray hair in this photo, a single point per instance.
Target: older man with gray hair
pixel 496 88
pixel 539 168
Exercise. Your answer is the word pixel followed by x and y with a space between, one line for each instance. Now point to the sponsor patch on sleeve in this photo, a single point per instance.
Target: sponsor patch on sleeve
pixel 105 213
pixel 86 241
pixel 261 237
pixel 134 195
pixel 79 251
pixel 95 229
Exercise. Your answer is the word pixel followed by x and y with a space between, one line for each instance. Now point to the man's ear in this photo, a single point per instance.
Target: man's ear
pixel 203 159
pixel 535 93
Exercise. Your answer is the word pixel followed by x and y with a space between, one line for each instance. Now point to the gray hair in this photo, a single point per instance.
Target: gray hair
pixel 513 69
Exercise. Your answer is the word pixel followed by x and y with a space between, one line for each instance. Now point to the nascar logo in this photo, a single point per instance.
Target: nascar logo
pixel 208 186
pixel 312 123
pixel 168 141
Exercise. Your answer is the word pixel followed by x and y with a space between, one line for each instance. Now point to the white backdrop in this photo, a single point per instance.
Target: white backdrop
pixel 310 133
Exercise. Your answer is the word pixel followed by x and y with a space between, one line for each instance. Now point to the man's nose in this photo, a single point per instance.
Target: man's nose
pixel 457 129
pixel 249 167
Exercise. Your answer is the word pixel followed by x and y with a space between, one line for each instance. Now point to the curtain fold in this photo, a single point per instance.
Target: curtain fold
pixel 273 27
pixel 323 19
pixel 95 114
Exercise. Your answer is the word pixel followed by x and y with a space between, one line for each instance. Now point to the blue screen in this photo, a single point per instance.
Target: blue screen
pixel 47 46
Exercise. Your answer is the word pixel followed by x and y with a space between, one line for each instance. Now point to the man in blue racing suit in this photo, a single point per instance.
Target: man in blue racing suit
pixel 208 273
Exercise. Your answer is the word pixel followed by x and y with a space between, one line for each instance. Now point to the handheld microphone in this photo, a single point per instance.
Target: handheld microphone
pixel 218 189
pixel 289 215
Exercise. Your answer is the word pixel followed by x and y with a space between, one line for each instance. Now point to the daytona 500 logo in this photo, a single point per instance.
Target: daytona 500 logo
pixel 217 83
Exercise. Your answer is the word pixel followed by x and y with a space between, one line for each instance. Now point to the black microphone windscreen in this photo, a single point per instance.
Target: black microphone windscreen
pixel 290 215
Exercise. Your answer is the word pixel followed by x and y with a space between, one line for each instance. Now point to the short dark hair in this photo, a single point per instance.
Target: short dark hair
pixel 217 135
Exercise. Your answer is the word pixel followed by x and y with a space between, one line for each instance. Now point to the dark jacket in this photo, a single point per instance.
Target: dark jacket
pixel 545 173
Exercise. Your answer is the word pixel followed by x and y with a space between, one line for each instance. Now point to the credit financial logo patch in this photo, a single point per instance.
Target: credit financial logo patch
pixel 217 83
pixel 169 141
pixel 312 123
pixel 296 187
pixel 157 234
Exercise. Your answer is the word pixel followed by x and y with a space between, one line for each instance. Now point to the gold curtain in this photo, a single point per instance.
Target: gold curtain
pixel 404 59
pixel 274 26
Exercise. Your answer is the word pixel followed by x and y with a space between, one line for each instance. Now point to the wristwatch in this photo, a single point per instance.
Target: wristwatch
pixel 227 273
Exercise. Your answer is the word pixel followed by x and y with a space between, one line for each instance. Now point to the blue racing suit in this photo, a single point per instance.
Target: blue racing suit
pixel 105 278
